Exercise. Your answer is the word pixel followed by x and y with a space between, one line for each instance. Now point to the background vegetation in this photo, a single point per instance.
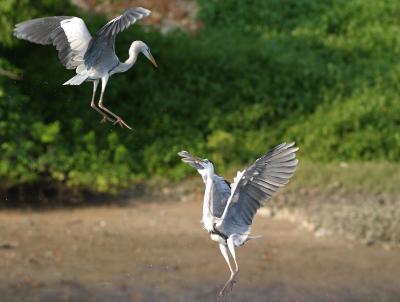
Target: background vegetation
pixel 323 73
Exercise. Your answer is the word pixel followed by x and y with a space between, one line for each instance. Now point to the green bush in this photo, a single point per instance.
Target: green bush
pixel 323 73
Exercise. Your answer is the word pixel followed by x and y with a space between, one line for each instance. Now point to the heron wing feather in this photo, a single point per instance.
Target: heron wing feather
pixel 68 34
pixel 255 185
pixel 221 191
pixel 104 39
pixel 39 31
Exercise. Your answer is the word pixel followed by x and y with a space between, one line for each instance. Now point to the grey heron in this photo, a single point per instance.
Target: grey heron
pixel 229 209
pixel 93 58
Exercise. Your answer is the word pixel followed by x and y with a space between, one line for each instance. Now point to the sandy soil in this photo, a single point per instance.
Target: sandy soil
pixel 158 252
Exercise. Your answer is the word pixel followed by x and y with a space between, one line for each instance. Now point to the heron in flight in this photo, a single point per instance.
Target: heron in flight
pixel 93 58
pixel 229 209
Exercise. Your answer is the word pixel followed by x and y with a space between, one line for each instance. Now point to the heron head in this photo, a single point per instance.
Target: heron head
pixel 142 47
pixel 196 162
pixel 208 163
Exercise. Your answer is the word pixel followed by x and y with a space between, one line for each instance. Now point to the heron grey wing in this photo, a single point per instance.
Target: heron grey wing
pixel 68 34
pixel 220 195
pixel 257 184
pixel 118 24
pixel 105 37
pixel 39 31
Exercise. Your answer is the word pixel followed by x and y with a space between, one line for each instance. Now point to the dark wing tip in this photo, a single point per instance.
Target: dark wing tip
pixel 16 33
pixel 18 30
pixel 143 11
pixel 283 147
pixel 292 144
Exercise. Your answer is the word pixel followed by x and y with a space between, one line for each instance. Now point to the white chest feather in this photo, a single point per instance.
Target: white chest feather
pixel 217 238
pixel 208 222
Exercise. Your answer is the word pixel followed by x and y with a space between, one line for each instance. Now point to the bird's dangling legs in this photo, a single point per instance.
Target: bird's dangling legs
pixel 93 105
pixel 231 247
pixel 118 120
pixel 226 290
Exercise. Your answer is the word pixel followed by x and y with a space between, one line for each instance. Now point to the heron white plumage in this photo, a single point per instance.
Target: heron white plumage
pixel 93 58
pixel 229 209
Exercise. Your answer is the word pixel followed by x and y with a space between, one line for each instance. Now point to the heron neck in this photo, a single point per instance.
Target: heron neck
pixel 207 203
pixel 124 66
pixel 133 54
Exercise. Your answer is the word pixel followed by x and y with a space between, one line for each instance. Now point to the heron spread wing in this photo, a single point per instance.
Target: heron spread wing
pixel 221 191
pixel 220 187
pixel 105 38
pixel 68 34
pixel 118 24
pixel 255 185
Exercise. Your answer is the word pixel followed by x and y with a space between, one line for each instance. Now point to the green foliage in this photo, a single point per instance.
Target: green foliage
pixel 14 11
pixel 330 69
pixel 323 73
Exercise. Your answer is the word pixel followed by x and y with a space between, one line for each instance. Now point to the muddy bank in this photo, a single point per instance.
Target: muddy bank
pixel 159 252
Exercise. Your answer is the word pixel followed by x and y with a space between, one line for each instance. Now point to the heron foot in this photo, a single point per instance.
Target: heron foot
pixel 106 119
pixel 227 289
pixel 104 115
pixel 122 123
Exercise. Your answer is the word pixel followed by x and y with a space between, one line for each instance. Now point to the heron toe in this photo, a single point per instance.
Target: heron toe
pixel 122 123
pixel 225 292
pixel 227 289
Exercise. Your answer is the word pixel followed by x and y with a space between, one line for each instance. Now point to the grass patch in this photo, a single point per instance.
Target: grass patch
pixel 357 200
pixel 368 177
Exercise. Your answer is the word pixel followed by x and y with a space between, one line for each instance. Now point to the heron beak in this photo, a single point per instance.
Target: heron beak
pixel 151 58
pixel 194 161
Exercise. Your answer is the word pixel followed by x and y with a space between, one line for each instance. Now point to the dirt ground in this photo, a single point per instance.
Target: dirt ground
pixel 158 251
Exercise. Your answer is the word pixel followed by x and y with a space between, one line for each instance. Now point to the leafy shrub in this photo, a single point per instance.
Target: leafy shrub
pixel 323 73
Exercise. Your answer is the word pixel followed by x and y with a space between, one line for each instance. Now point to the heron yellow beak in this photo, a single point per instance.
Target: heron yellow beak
pixel 151 58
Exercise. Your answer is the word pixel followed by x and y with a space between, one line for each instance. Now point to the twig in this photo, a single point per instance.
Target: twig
pixel 10 74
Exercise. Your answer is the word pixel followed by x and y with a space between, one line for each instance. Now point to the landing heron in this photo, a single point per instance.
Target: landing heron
pixel 93 58
pixel 229 209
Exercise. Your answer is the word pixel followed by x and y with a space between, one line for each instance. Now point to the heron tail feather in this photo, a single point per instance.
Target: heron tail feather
pixel 253 237
pixel 76 80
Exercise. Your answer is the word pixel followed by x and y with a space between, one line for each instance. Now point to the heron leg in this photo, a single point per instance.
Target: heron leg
pixel 93 105
pixel 224 251
pixel 231 247
pixel 118 120
pixel 227 289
